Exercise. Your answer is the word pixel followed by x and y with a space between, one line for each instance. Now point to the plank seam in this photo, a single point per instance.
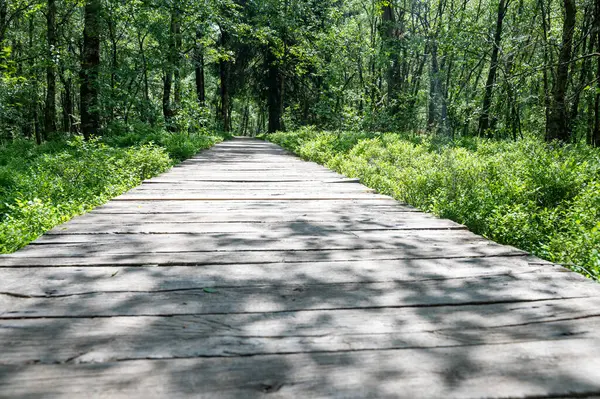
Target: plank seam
pixel 413 306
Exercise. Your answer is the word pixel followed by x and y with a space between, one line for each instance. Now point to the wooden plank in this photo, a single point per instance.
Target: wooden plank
pixel 404 244
pixel 333 184
pixel 307 296
pixel 565 368
pixel 201 173
pixel 210 191
pixel 57 281
pixel 358 239
pixel 249 196
pixel 275 216
pixel 224 257
pixel 100 340
pixel 341 207
pixel 292 227
pixel 243 179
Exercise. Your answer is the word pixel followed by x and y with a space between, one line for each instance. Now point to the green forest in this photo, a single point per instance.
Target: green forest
pixel 486 112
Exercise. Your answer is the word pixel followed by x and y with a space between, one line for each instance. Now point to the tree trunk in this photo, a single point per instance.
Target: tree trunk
pixel 90 65
pixel 224 72
pixel 67 105
pixel 596 133
pixel 145 113
pixel 587 45
pixel 391 36
pixel 484 120
pixel 177 59
pixel 50 109
pixel 3 23
pixel 274 95
pixel 168 108
pixel 558 124
pixel 114 64
pixel 199 70
pixel 224 106
pixel 166 100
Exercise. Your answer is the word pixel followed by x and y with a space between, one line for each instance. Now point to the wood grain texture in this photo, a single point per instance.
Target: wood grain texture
pixel 69 280
pixel 245 272
pixel 98 340
pixel 223 298
pixel 521 369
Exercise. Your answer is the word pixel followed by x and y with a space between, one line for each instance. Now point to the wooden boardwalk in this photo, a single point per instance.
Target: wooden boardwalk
pixel 246 272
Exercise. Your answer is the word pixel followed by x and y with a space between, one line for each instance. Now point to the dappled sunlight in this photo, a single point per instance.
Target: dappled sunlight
pixel 237 299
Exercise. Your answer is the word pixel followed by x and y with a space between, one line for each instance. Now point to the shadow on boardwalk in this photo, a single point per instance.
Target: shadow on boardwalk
pixel 301 309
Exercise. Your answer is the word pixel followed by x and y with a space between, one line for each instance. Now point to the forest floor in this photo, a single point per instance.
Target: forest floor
pixel 245 271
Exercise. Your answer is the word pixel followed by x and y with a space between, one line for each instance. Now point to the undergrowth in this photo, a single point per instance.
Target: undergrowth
pixel 541 198
pixel 43 186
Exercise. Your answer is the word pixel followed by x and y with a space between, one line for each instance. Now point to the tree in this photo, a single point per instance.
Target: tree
pixel 558 122
pixel 50 109
pixel 90 68
pixel 484 119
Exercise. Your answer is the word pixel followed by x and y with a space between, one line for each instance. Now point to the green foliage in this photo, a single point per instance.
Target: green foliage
pixel 543 199
pixel 42 186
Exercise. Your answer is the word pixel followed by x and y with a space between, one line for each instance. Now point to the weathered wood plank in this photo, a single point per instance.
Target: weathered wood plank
pixel 358 238
pixel 220 192
pixel 224 257
pixel 292 227
pixel 102 340
pixel 257 196
pixel 307 296
pixel 327 184
pixel 341 207
pixel 277 217
pixel 404 244
pixel 57 281
pixel 527 369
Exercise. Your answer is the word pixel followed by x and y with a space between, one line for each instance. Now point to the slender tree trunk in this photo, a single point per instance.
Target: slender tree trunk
pixel 177 59
pixel 484 120
pixel 199 70
pixel 90 65
pixel 224 79
pixel 145 114
pixel 224 105
pixel 587 45
pixel 558 127
pixel 390 38
pixel 50 109
pixel 36 125
pixel 545 24
pixel 274 95
pixel 596 133
pixel 166 100
pixel 3 28
pixel 168 108
pixel 114 64
pixel 434 89
pixel 67 106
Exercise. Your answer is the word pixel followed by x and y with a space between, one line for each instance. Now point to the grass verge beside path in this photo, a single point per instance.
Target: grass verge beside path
pixel 541 198
pixel 44 186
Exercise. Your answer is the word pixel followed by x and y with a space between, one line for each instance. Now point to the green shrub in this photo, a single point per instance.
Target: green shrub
pixel 42 186
pixel 542 198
